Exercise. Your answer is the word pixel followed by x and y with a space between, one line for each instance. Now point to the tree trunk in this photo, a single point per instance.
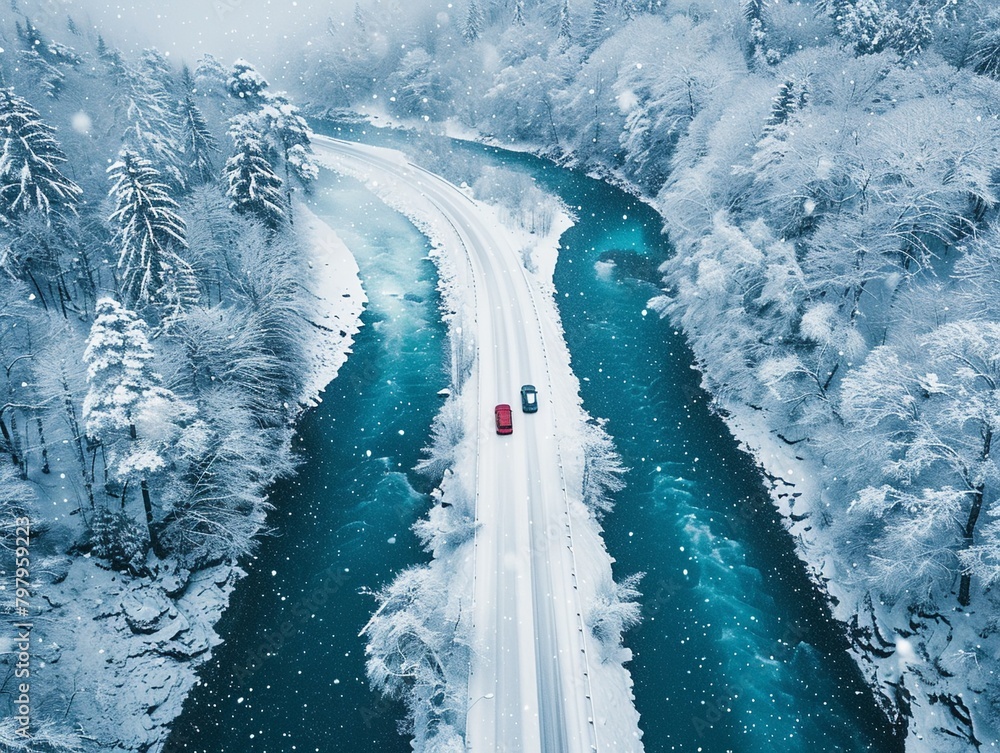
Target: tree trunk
pixel 23 465
pixel 154 539
pixel 41 441
pixel 63 294
pixel 147 503
pixel 74 427
pixel 965 586
pixel 11 445
pixel 830 376
pixel 288 189
pixel 38 289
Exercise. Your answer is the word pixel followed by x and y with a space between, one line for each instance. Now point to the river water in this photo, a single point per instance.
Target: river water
pixel 736 652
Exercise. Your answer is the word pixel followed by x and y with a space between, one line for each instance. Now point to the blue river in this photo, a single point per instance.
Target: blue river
pixel 737 650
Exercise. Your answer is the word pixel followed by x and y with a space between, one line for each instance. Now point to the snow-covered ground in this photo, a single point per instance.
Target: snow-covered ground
pixel 538 678
pixel 338 300
pixel 908 666
pixel 116 656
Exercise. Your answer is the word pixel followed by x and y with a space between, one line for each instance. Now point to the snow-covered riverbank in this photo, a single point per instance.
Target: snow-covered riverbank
pixel 908 660
pixel 113 657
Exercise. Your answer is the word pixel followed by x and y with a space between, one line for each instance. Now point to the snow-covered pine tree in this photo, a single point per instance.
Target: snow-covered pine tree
pixel 753 10
pixel 119 368
pixel 198 141
pixel 124 393
pixel 599 25
pixel 147 232
pixel 359 18
pixel 565 22
pixel 253 186
pixel 986 45
pixel 519 13
pixel 29 164
pixel 867 26
pixel 791 97
pixel 154 122
pixel 210 75
pixel 49 78
pixel 30 36
pixel 58 53
pixel 102 47
pixel 290 140
pixel 474 21
pixel 154 66
pixel 914 30
pixel 245 82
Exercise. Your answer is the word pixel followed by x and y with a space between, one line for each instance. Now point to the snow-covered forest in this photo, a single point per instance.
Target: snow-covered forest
pixel 827 172
pixel 152 326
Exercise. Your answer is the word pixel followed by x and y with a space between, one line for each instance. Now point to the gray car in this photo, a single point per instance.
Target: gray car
pixel 529 399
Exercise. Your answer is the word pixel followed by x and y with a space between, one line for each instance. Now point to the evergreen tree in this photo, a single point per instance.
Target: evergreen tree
pixel 210 75
pixel 474 21
pixel 791 97
pixel 124 393
pixel 565 22
pixel 289 137
pixel 147 230
pixel 599 25
pixel 866 26
pixel 145 102
pixel 198 141
pixel 913 30
pixel 359 18
pixel 986 46
pixel 102 47
pixel 253 186
pixel 519 13
pixel 753 10
pixel 154 66
pixel 49 78
pixel 245 82
pixel 29 163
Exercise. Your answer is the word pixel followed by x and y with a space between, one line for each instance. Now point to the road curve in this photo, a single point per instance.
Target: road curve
pixel 529 684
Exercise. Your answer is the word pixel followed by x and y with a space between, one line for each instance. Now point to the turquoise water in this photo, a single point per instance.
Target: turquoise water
pixel 290 675
pixel 737 651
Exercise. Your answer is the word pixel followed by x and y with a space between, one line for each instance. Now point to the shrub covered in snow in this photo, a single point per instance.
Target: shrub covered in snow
pixel 615 609
pixel 119 539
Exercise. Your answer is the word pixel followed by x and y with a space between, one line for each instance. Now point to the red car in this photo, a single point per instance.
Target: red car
pixel 505 424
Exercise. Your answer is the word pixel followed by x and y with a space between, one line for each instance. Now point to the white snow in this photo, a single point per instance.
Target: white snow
pixel 534 535
pixel 338 296
pixel 151 635
pixel 801 500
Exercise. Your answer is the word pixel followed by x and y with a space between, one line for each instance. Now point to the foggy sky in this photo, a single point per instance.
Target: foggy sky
pixel 185 29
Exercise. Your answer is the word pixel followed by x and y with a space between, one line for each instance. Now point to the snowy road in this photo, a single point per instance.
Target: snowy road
pixel 529 683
